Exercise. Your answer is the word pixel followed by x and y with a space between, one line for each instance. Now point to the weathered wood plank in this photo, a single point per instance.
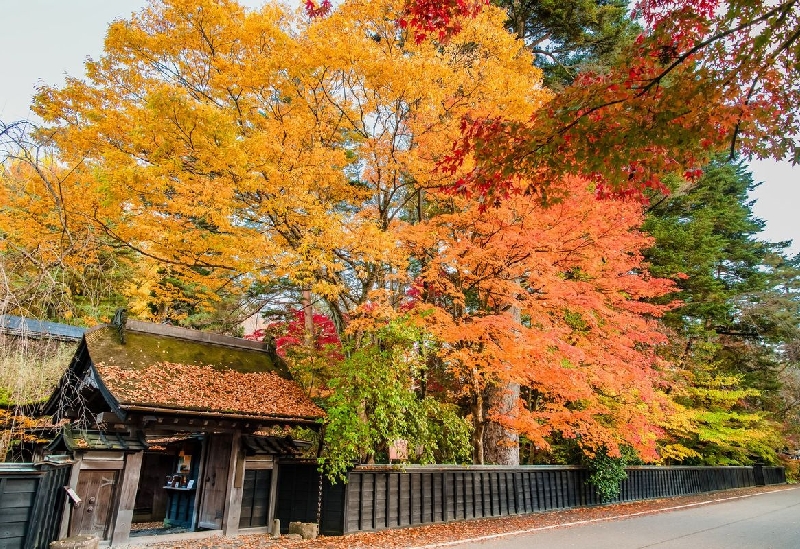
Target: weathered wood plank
pixel 127 498
pixel 448 496
pixel 416 498
pixel 213 485
pixel 367 501
pixel 234 481
pixel 405 499
pixel 13 530
pixel 19 499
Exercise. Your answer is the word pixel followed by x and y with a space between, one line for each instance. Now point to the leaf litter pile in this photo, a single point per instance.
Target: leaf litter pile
pixel 453 531
pixel 191 387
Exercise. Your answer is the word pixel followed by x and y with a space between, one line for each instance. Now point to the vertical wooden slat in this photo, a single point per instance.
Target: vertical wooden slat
pixel 374 500
pixel 34 516
pixel 50 518
pixel 413 496
pixel 388 511
pixel 472 492
pixel 488 494
pixel 233 499
pixel 127 498
pixel 571 496
pixel 46 495
pixel 547 485
pixel 526 479
pixel 405 494
pixel 361 501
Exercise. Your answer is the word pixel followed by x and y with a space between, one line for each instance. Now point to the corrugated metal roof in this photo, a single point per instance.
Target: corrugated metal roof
pixel 38 329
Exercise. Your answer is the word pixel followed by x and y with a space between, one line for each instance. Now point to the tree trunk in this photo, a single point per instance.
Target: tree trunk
pixel 501 444
pixel 478 421
pixel 308 319
pixel 477 442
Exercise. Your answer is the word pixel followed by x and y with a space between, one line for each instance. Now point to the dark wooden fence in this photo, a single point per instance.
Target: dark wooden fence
pixel 31 503
pixel 377 498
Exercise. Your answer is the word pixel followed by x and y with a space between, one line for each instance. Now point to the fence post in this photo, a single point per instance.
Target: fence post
pixel 758 474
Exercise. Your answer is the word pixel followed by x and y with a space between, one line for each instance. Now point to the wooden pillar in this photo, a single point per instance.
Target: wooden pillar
pixel 273 491
pixel 199 485
pixel 233 502
pixel 127 498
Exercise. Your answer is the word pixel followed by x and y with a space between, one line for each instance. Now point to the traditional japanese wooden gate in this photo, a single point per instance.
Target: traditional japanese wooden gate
pixel 214 481
pixel 255 498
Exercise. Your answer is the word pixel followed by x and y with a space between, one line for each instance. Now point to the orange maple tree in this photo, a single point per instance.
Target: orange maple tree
pixel 552 299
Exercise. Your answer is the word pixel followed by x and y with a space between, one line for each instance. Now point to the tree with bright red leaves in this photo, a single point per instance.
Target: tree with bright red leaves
pixel 703 76
pixel 440 18
pixel 317 9
pixel 310 356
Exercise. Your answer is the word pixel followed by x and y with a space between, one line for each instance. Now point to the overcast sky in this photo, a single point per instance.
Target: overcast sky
pixel 42 40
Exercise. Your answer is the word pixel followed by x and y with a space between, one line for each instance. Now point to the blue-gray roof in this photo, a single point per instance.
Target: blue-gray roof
pixel 39 329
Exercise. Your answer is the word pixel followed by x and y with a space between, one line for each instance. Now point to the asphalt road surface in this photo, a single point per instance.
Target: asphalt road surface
pixel 764 521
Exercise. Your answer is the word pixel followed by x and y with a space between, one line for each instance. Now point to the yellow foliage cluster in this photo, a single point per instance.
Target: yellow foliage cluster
pixel 224 146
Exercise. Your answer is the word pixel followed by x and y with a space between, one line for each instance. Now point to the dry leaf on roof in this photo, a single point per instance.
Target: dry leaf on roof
pixel 203 388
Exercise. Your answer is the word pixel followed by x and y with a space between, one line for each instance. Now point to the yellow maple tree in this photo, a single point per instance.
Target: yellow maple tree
pixel 232 147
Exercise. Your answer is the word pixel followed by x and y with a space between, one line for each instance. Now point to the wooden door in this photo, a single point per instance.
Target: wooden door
pixel 214 481
pixel 96 490
pixel 255 498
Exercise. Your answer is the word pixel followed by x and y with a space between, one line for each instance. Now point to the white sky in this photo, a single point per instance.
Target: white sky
pixel 42 40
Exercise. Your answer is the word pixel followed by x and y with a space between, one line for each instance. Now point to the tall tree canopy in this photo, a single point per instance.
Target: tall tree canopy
pixel 702 76
pixel 582 340
pixel 569 36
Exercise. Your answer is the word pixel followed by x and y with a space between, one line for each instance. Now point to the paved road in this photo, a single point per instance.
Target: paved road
pixel 765 521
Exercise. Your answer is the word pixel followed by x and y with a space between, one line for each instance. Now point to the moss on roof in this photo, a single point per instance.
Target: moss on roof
pixel 190 371
pixel 142 350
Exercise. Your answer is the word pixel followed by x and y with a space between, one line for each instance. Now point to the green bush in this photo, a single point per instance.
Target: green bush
pixel 606 473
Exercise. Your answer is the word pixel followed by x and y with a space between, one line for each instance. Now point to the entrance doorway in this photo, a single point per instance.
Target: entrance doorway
pixel 96 490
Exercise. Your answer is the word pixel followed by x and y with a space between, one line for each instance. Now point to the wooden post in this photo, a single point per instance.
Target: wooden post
pixel 233 503
pixel 199 487
pixel 127 498
pixel 273 490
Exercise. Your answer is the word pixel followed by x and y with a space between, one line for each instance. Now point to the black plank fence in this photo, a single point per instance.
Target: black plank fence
pixel 382 497
pixel 31 503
